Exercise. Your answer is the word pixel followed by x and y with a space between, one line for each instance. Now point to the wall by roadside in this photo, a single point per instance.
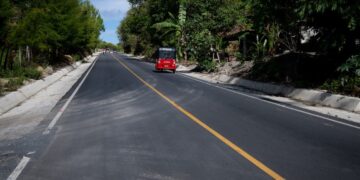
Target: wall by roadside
pixel 15 98
pixel 311 96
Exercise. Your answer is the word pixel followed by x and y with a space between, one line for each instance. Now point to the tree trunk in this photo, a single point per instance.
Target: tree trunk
pixel 6 58
pixel 1 55
pixel 12 59
pixel 244 48
pixel 28 54
pixel 31 55
pixel 20 56
pixel 185 56
pixel 212 53
pixel 218 56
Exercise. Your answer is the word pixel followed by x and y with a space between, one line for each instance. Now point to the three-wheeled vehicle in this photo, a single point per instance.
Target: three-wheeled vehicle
pixel 166 59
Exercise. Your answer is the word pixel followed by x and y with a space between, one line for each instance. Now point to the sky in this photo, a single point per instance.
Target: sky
pixel 112 12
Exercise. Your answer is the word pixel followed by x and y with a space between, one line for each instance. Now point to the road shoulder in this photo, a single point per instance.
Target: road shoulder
pixel 23 118
pixel 328 111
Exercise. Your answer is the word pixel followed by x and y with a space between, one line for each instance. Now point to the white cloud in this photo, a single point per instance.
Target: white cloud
pixel 112 15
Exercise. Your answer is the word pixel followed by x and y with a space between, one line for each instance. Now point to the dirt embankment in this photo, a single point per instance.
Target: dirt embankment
pixel 293 69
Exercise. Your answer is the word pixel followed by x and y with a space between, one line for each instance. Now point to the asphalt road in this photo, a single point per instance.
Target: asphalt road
pixel 129 122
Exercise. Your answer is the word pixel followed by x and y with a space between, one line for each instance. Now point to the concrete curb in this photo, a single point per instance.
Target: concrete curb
pixel 13 99
pixel 307 95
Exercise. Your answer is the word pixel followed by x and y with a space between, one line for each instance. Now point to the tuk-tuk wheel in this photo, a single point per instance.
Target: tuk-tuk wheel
pixel 174 71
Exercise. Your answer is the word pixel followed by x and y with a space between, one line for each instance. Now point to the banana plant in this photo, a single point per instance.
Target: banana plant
pixel 176 26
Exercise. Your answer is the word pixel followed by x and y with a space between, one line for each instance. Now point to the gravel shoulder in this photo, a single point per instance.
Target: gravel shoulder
pixel 22 119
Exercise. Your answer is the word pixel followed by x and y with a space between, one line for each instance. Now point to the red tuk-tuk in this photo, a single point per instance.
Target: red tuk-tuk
pixel 166 59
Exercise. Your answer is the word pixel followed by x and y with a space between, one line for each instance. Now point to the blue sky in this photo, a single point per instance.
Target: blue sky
pixel 112 12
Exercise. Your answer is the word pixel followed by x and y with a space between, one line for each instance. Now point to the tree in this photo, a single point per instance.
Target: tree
pixel 5 15
pixel 338 35
pixel 270 26
pixel 177 27
pixel 50 29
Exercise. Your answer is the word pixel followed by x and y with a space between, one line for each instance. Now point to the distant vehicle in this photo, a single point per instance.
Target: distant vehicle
pixel 166 59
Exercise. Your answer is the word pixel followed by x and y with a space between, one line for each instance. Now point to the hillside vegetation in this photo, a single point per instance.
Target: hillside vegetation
pixel 302 43
pixel 37 33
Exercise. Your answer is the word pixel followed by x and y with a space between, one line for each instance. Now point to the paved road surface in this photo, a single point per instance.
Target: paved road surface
pixel 172 127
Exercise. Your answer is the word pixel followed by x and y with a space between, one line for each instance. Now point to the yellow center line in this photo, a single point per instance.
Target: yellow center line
pixel 226 141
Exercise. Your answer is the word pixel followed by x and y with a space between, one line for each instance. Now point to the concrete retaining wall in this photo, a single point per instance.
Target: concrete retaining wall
pixel 307 95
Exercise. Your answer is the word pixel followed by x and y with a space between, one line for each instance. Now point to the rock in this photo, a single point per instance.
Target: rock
pixel 3 82
pixel 40 69
pixel 228 67
pixel 47 71
pixel 356 91
pixel 26 82
pixel 69 59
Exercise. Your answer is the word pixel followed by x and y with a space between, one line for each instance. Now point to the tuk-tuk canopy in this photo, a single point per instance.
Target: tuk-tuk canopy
pixel 167 53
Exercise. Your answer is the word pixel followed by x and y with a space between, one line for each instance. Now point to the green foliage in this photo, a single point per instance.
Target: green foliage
pixel 351 67
pixel 76 57
pixel 135 2
pixel 107 45
pixel 31 73
pixel 43 32
pixel 23 72
pixel 207 65
pixel 173 29
pixel 156 23
pixel 5 15
pixel 255 29
pixel 14 83
pixel 201 43
pixel 64 27
pixel 35 30
pixel 349 85
pixel 133 31
pixel 261 47
pixel 336 36
pixel 279 23
pixel 349 79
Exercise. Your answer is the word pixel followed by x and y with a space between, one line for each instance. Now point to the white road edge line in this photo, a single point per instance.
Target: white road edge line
pixel 19 168
pixel 280 105
pixel 63 108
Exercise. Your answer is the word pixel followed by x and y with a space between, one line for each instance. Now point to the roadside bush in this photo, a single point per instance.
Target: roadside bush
pixel 352 86
pixel 14 83
pixel 17 76
pixel 207 65
pixel 239 56
pixel 349 80
pixel 76 57
pixel 31 73
pixel 16 72
pixel 351 67
pixel 28 72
